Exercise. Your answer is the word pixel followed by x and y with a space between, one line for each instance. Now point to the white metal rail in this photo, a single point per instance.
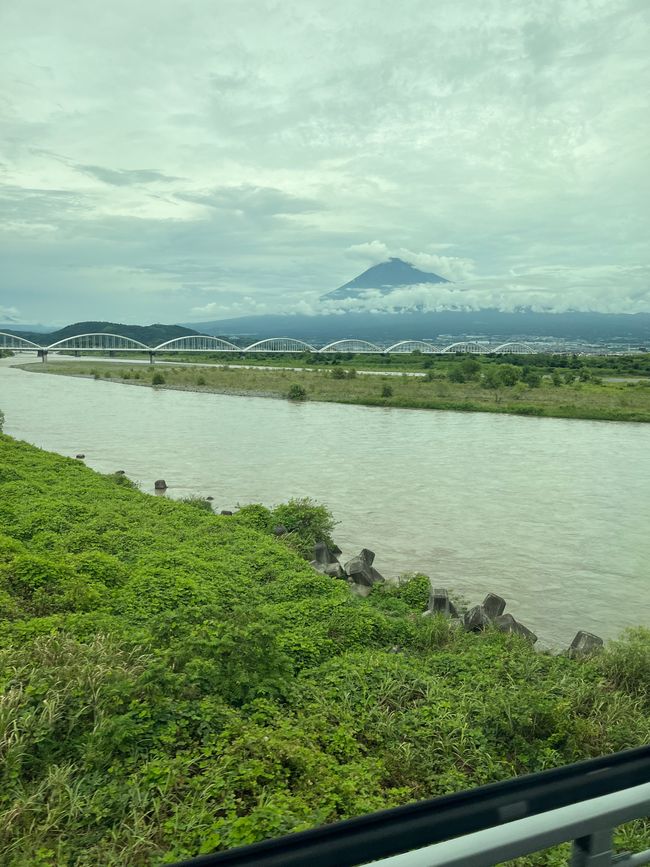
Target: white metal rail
pixel 589 824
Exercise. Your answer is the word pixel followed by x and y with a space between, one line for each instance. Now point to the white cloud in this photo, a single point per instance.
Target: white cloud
pixel 602 289
pixel 9 315
pixel 450 267
pixel 373 252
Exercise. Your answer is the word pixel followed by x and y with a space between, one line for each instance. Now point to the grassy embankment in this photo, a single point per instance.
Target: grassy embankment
pixel 489 387
pixel 175 682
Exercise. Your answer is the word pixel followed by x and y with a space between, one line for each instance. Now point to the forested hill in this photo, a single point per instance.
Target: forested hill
pixel 152 335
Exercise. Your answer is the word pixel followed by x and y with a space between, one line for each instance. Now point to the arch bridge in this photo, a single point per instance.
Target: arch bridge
pixel 194 343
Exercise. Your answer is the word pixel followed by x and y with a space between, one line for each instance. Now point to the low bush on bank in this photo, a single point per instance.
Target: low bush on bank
pixel 297 392
pixel 175 682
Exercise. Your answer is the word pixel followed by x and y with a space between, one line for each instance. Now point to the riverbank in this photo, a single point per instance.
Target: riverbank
pixel 604 401
pixel 179 682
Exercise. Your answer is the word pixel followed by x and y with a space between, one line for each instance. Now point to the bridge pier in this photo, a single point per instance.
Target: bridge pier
pixel 42 353
pixel 152 357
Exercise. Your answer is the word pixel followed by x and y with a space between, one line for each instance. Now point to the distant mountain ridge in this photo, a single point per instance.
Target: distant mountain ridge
pixel 151 335
pixel 391 327
pixel 384 277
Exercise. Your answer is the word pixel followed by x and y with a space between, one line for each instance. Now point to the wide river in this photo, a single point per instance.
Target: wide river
pixel 552 514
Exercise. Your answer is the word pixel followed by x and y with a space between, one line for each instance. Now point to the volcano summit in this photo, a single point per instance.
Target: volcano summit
pixel 384 277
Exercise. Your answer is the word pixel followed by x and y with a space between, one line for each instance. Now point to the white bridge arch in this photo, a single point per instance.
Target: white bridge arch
pixel 198 343
pixel 413 346
pixel 467 346
pixel 99 342
pixel 280 344
pixel 12 341
pixel 351 345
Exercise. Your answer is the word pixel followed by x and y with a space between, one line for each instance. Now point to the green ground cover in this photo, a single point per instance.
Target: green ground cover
pixel 633 364
pixel 174 682
pixel 468 384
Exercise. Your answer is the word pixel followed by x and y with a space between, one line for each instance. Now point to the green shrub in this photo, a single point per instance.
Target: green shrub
pixel 197 503
pixel 297 392
pixel 307 523
pixel 532 378
pixel 200 380
pixel 456 374
pixel 255 516
pixel 626 663
pixel 123 481
pixel 157 379
pixel 387 391
pixel 411 589
pixel 471 368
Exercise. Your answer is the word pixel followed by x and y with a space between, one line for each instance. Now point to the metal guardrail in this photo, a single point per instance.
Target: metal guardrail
pixel 582 803
pixel 589 824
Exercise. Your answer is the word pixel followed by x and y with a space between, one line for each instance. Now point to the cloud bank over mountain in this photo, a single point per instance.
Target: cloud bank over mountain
pixel 168 162
pixel 602 289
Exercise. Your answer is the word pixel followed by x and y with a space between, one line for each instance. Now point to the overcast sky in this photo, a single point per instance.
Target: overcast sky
pixel 184 161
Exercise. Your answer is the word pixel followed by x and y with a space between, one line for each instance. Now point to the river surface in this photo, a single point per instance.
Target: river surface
pixel 552 514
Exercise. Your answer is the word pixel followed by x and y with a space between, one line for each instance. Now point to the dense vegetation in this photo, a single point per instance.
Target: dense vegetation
pixel 174 681
pixel 564 387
